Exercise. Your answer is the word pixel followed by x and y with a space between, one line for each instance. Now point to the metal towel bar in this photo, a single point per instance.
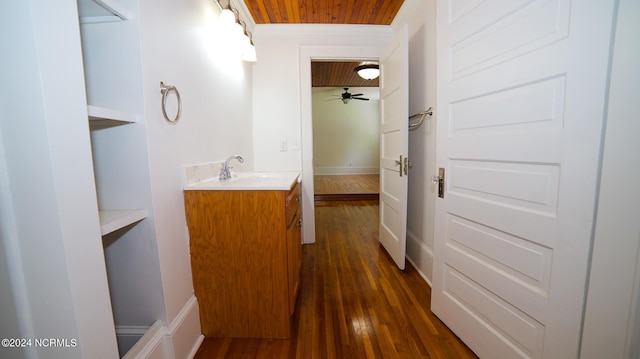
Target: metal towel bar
pixel 422 115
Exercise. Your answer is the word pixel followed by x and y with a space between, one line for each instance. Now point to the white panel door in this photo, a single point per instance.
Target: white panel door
pixel 394 146
pixel 521 88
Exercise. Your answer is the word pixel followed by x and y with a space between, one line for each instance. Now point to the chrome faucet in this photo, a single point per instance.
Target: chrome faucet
pixel 225 174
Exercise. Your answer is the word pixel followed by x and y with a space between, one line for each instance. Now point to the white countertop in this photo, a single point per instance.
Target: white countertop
pixel 248 181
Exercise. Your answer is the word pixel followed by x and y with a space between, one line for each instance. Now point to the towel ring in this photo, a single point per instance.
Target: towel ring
pixel 165 89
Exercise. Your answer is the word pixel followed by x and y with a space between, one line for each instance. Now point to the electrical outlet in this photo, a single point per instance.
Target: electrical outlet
pixel 283 145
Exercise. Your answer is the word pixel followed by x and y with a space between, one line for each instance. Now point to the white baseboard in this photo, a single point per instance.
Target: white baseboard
pixel 180 340
pixel 149 346
pixel 184 333
pixel 420 256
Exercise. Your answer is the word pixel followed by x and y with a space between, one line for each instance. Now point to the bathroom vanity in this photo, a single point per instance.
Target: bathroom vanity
pixel 246 251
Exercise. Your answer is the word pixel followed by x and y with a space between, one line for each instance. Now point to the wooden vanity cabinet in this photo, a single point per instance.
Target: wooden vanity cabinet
pixel 246 252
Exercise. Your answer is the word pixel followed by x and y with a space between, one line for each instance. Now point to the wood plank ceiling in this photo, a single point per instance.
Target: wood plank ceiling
pixel 370 12
pixel 364 12
pixel 338 74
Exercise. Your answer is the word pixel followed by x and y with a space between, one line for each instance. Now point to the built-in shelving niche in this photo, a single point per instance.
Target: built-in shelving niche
pixel 112 220
pixel 97 11
pixel 115 223
pixel 118 139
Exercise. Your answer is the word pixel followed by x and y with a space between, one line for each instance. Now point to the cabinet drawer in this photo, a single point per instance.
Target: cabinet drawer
pixel 292 203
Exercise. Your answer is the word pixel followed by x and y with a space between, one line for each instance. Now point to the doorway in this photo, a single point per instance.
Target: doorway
pixel 307 55
pixel 345 132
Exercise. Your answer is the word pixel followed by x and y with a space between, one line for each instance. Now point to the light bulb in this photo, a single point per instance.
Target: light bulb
pixel 237 31
pixel 249 53
pixel 243 42
pixel 227 18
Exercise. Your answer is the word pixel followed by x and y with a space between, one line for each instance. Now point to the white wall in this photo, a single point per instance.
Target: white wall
pixel 277 93
pixel 346 136
pixel 13 309
pixel 422 141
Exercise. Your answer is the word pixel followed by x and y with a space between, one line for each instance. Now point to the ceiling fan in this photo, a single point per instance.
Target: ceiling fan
pixel 346 96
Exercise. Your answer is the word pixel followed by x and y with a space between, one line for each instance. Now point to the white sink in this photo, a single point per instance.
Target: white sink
pixel 249 181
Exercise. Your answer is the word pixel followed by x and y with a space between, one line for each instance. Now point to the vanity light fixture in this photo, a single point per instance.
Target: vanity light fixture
pixel 230 19
pixel 368 70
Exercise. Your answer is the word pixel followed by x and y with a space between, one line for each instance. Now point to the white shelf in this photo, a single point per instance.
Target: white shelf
pixel 95 11
pixel 113 220
pixel 102 116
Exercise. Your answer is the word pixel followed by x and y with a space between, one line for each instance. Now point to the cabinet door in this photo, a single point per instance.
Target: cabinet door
pixel 294 245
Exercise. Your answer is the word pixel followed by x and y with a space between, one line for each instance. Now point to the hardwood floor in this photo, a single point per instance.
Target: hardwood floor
pixel 346 187
pixel 346 184
pixel 353 301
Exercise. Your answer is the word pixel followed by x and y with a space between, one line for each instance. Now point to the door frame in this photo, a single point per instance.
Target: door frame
pixel 323 53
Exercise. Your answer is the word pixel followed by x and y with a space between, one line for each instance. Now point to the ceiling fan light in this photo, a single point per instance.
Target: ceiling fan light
pixel 368 71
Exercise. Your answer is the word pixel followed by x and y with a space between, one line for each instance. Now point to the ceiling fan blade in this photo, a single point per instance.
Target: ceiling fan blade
pixel 360 98
pixel 358 94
